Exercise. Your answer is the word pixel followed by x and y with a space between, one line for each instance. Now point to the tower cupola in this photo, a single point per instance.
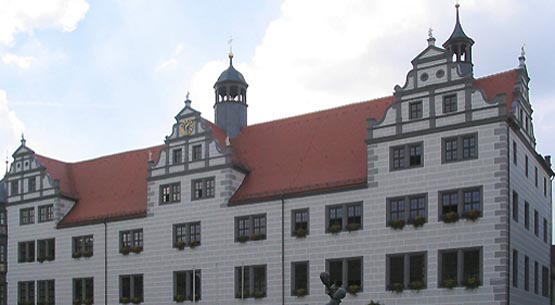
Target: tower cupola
pixel 231 100
pixel 460 45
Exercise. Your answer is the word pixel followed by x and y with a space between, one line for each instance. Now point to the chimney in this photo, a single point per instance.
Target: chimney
pixel 548 160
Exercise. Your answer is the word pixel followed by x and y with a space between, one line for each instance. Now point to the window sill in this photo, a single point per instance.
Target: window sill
pixel 126 300
pixel 127 250
pixel 181 246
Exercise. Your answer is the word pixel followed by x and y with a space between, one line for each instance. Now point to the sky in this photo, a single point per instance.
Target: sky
pixel 83 79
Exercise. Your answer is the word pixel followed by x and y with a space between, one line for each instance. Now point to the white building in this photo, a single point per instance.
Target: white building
pixel 435 195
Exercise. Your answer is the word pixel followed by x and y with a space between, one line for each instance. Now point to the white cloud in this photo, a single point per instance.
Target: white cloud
pixel 25 16
pixel 341 52
pixel 11 126
pixel 23 62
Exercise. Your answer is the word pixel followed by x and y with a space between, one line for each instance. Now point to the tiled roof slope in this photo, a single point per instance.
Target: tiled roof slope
pixel 110 187
pixel 324 150
pixel 321 151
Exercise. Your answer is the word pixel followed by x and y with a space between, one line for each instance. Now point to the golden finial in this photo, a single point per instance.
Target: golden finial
pixel 230 43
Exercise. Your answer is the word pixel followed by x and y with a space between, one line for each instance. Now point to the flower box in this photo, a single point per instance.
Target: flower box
pixel 417 285
pixel 353 289
pixel 124 300
pixel 471 283
pixel 125 250
pixel 259 294
pixel 449 283
pixel 397 287
pixel 335 229
pixel 397 224
pixel 300 233
pixel 194 243
pixel 76 254
pixel 472 215
pixel 418 221
pixel 242 238
pixel 137 249
pixel 300 292
pixel 353 227
pixel 180 298
pixel 450 217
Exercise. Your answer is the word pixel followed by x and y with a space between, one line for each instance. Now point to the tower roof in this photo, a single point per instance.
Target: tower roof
pixel 231 74
pixel 458 34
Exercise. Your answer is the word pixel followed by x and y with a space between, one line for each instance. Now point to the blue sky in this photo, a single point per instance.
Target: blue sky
pixel 88 78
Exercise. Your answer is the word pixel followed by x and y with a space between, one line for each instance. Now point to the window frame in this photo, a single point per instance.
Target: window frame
pixel 252 278
pixel 449 103
pixel 207 189
pixel 133 279
pixel 460 147
pixel 47 211
pixel 188 294
pixel 460 201
pixel 196 152
pixel 186 228
pixel 515 206
pixel 536 278
pixel 514 270
pixel 46 249
pixel 177 155
pixel 460 270
pixel 526 165
pixel 545 281
pixel 536 223
pixel 173 194
pixel 14 188
pixel 26 219
pixel 28 294
pixel 29 254
pixel 133 246
pixel 32 184
pixel 49 290
pixel 526 273
pixel 298 225
pixel 545 230
pixel 294 283
pixel 85 283
pixel 406 269
pixel 82 246
pixel 515 154
pixel 526 215
pixel 250 235
pixel 416 110
pixel 345 217
pixel 345 270
pixel 407 211
pixel 406 156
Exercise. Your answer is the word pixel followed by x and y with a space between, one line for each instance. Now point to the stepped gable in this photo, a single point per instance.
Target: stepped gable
pixel 111 187
pixel 325 150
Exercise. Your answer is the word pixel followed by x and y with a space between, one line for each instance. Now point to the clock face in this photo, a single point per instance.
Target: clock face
pixel 186 127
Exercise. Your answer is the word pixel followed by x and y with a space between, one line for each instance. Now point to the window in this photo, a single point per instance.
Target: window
pixel 186 235
pixel 344 217
pixel 450 103
pixel 406 271
pixel 406 156
pixel 515 268
pixel 83 246
pixel 526 215
pixel 515 206
pixel 250 281
pixel 131 288
pixel 15 188
pixel 545 281
pixel 536 278
pixel 203 188
pixel 415 110
pixel 27 216
pixel 300 223
pixel 46 250
pixel 46 213
pixel 460 267
pixel 407 209
pixel 185 287
pixel 2 254
pixel 452 207
pixel 536 223
pixel 26 292
pixel 170 193
pixel 536 176
pixel 26 251
pixel 460 148
pixel 177 156
pixel 2 294
pixel 252 227
pixel 45 292
pixel 3 218
pixel 197 152
pixel 131 240
pixel 526 165
pixel 83 290
pixel 544 187
pixel 346 272
pixel 32 184
pixel 514 153
pixel 299 279
pixel 545 237
pixel 526 273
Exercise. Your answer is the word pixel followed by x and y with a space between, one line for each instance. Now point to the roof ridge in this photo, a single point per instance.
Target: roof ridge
pixel 497 74
pixel 320 111
pixel 101 157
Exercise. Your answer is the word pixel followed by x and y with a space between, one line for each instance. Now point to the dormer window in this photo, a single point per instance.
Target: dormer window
pixel 450 103
pixel 32 184
pixel 197 152
pixel 15 187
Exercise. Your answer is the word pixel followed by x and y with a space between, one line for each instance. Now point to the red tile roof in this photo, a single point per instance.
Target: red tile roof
pixel 321 151
pixel 109 187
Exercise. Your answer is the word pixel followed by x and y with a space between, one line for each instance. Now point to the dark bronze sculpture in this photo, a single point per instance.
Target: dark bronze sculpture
pixel 336 293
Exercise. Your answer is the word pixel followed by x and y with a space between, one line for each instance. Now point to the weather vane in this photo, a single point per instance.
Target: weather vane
pixel 430 33
pixel 187 95
pixel 230 43
pixel 522 50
